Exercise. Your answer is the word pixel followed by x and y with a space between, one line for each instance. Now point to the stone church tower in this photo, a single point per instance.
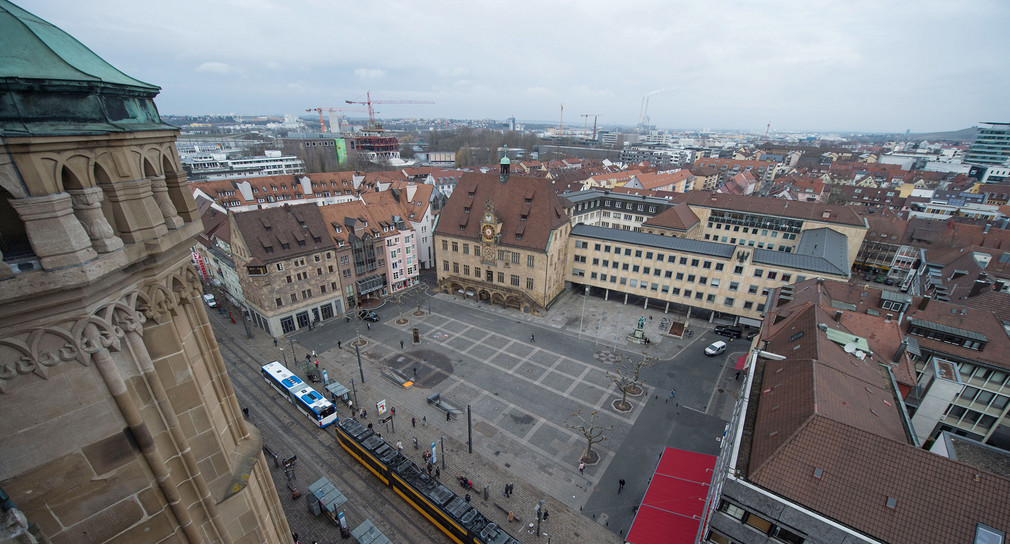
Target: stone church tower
pixel 118 422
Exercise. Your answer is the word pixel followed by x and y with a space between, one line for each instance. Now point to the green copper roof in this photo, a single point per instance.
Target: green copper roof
pixel 31 48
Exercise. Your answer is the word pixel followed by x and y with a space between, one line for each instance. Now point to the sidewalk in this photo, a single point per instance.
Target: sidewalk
pixel 563 524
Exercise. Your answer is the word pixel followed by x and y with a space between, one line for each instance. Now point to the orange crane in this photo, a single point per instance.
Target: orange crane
pixel 368 102
pixel 322 126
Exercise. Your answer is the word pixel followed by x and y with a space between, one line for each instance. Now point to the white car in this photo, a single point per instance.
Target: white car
pixel 716 348
pixel 210 300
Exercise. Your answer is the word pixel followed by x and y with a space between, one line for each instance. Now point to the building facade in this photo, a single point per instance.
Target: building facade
pixel 121 422
pixel 503 239
pixel 991 146
pixel 287 267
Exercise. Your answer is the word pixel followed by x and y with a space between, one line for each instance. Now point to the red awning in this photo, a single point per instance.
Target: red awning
pixel 740 362
pixel 675 501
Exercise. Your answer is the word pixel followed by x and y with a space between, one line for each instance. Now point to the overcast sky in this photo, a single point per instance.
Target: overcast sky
pixel 846 65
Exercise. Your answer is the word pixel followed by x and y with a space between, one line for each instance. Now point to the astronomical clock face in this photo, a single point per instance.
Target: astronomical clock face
pixel 488 255
pixel 488 232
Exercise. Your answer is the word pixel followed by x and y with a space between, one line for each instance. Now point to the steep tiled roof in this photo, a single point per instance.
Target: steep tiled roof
pixel 653 181
pixel 935 499
pixel 677 217
pixel 519 196
pixel 827 432
pixel 282 232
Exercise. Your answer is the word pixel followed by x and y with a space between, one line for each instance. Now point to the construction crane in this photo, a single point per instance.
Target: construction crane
pixel 595 117
pixel 368 102
pixel 767 128
pixel 322 126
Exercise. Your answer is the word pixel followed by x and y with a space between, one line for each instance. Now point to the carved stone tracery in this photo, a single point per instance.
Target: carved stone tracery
pixel 40 348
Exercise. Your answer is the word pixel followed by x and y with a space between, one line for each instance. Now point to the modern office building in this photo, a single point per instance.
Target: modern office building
pixel 991 146
pixel 119 420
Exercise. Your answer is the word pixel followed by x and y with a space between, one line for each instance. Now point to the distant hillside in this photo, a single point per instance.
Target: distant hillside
pixel 963 135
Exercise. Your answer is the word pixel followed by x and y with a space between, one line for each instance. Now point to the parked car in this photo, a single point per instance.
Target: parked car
pixel 716 348
pixel 752 333
pixel 210 300
pixel 889 281
pixel 368 315
pixel 878 279
pixel 729 331
pixel 868 276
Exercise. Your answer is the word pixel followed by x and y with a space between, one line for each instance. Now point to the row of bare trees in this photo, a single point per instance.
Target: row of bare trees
pixel 627 378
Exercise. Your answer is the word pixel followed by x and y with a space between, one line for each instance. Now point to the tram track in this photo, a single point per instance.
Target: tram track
pixel 281 423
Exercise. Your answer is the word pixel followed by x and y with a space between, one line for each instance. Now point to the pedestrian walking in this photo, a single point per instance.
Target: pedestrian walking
pixel 506 494
pixel 424 421
pixel 392 411
pixel 448 416
pixel 531 338
pixel 582 468
pixel 340 345
pixel 467 498
pixel 620 485
pixel 317 364
pixel 545 515
pixel 415 372
pixel 413 422
pixel 294 536
pixel 737 375
pixel 275 342
pixel 401 344
pixel 399 446
pixel 673 393
pixel 369 325
pixel 438 472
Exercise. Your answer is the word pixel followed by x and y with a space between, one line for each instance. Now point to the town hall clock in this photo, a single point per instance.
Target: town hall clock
pixel 490 227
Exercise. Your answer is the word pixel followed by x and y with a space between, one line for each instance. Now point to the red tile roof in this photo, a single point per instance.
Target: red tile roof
pixel 772 206
pixel 519 195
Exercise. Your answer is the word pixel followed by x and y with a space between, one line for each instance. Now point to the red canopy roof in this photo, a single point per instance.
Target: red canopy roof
pixel 673 505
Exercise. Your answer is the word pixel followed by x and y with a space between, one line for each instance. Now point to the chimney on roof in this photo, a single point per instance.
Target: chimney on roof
pixel 900 351
pixel 978 287
pixel 838 315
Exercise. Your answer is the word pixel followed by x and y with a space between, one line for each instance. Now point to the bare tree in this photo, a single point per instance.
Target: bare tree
pixel 420 296
pixel 399 298
pixel 627 378
pixel 592 431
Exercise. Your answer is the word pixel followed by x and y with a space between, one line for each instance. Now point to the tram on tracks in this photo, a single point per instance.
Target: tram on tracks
pixel 306 399
pixel 448 511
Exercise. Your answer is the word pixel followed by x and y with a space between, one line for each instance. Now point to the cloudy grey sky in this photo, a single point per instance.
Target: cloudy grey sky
pixel 866 65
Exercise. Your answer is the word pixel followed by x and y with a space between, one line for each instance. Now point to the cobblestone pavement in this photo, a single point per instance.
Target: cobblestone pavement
pixel 520 391
pixel 288 433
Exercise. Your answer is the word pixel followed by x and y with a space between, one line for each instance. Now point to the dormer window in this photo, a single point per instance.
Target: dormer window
pixel 522 217
pixel 466 209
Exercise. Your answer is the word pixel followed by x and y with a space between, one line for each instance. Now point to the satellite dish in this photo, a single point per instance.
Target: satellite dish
pixel 860 354
pixel 850 348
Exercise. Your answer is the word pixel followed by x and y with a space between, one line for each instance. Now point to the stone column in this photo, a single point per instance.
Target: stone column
pixel 88 208
pixel 55 234
pixel 5 269
pixel 160 190
pixel 134 210
pixel 182 196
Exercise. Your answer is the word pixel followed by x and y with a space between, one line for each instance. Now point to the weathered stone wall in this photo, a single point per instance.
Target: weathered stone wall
pixel 120 423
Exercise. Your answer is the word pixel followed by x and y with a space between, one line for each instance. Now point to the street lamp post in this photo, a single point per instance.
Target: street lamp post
pixel 294 358
pixel 540 513
pixel 354 393
pixel 357 351
pixel 583 319
pixel 284 357
pixel 441 442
